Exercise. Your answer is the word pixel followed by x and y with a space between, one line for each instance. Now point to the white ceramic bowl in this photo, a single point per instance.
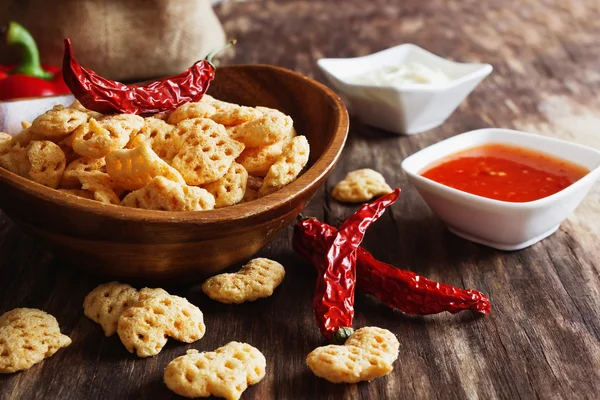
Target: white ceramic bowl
pixel 404 109
pixel 500 224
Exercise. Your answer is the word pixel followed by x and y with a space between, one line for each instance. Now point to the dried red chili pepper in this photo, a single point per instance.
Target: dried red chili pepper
pixel 334 293
pixel 404 290
pixel 105 96
pixel 412 293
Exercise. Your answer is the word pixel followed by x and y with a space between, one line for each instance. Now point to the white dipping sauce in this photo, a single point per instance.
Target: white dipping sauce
pixel 409 73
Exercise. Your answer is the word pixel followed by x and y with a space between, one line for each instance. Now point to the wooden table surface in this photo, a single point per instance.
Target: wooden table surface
pixel 542 339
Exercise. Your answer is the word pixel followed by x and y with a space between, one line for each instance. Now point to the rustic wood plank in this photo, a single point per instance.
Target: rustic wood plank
pixel 542 339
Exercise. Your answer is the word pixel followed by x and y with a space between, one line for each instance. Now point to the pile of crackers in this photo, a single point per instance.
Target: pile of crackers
pixel 203 155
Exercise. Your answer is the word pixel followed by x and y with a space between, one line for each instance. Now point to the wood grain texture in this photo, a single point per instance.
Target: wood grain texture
pixel 144 245
pixel 542 339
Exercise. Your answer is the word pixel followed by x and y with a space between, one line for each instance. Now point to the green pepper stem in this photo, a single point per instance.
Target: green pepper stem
pixel 213 53
pixel 30 56
pixel 342 335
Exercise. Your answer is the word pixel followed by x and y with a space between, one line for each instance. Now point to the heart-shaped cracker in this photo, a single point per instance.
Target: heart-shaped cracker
pixel 145 326
pixel 27 336
pixel 360 186
pixel 368 354
pixel 225 372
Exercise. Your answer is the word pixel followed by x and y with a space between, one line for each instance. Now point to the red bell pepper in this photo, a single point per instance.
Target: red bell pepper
pixel 29 78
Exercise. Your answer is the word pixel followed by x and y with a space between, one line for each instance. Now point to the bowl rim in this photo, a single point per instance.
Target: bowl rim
pixel 482 72
pixel 320 168
pixel 416 178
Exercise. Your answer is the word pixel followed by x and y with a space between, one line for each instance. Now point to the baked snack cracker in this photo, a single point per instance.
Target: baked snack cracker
pixel 287 167
pixel 225 372
pixel 207 151
pixel 145 326
pixel 15 160
pixel 101 186
pixel 91 114
pixel 360 186
pixel 106 303
pixel 368 354
pixel 133 169
pixel 27 336
pixel 42 161
pixel 258 160
pixel 273 126
pixel 97 138
pixel 257 279
pixel 5 142
pixel 46 162
pixel 163 138
pixel 230 189
pixel 204 108
pixel 58 122
pixel 163 194
pixel 237 115
pixel 82 166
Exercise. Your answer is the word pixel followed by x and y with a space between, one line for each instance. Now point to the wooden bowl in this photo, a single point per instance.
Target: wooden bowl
pixel 143 245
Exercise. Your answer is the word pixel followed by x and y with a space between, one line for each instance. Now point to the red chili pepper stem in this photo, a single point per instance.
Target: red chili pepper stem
pixel 302 217
pixel 30 56
pixel 213 53
pixel 342 335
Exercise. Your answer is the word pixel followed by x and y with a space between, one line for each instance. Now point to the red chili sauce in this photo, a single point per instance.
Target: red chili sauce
pixel 506 173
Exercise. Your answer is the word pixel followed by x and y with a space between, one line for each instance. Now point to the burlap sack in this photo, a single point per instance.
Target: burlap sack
pixel 119 39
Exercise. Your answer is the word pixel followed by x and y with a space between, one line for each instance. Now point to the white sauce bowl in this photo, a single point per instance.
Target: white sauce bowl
pixel 403 109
